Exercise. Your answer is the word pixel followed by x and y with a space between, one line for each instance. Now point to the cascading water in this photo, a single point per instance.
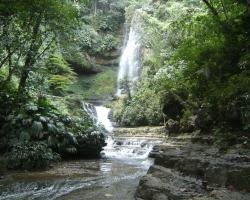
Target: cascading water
pixel 115 176
pixel 103 117
pixel 100 114
pixel 129 67
pixel 118 148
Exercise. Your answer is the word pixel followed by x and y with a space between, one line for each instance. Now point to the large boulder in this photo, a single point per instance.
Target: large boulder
pixel 173 106
pixel 3 165
pixel 203 120
pixel 188 125
pixel 199 119
pixel 172 126
pixel 196 171
pixel 232 115
pixel 90 145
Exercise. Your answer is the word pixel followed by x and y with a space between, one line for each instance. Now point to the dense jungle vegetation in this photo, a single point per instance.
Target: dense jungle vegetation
pixel 195 63
pixel 44 47
pixel 194 68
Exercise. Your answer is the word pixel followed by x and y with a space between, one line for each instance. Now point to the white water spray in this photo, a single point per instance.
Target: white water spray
pixel 103 117
pixel 100 114
pixel 129 67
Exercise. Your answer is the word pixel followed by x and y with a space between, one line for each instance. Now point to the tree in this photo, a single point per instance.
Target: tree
pixel 60 74
pixel 125 86
pixel 39 24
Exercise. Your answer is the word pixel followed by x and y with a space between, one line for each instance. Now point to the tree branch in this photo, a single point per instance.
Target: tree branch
pixel 211 8
pixel 6 58
pixel 45 49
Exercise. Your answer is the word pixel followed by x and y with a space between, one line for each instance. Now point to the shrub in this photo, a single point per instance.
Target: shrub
pixel 142 109
pixel 29 156
pixel 38 128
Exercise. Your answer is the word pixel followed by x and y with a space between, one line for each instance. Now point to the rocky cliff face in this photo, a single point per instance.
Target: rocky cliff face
pixel 196 171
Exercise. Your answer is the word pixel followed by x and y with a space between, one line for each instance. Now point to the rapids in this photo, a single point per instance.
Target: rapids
pixel 115 176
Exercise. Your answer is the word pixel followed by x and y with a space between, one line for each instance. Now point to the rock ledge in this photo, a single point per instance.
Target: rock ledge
pixel 184 170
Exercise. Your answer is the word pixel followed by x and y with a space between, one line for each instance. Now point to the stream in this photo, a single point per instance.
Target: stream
pixel 115 176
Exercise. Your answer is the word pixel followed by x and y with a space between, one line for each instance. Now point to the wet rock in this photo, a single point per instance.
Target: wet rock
pixel 160 196
pixel 112 55
pixel 172 126
pixel 109 62
pixel 163 183
pixel 194 171
pixel 144 144
pixel 203 118
pixel 173 106
pixel 119 143
pixel 188 125
pixel 216 175
pixel 224 194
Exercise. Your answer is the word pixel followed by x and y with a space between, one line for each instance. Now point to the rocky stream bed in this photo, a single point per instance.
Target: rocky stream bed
pixel 191 168
pixel 184 167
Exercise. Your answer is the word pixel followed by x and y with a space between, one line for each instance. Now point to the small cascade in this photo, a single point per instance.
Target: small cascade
pixel 119 148
pixel 102 114
pixel 129 67
pixel 129 148
pixel 90 109
pixel 125 161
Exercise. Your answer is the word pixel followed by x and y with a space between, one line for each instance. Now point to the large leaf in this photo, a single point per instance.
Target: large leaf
pixel 52 141
pixel 42 119
pixel 24 136
pixel 37 128
pixel 52 128
pixel 31 108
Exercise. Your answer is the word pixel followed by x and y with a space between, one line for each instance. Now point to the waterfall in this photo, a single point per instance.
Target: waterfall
pixel 103 117
pixel 118 148
pixel 129 67
pixel 118 174
pixel 99 114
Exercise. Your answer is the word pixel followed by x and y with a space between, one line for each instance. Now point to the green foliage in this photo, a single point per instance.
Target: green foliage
pixel 142 109
pixel 107 43
pixel 99 86
pixel 29 32
pixel 41 42
pixel 61 75
pixel 31 156
pixel 41 129
pixel 98 33
pixel 126 86
pixel 201 55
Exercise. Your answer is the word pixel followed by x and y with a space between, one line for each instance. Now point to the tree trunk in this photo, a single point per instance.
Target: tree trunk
pixel 95 7
pixel 10 66
pixel 248 7
pixel 30 61
pixel 5 37
pixel 6 59
pixel 225 27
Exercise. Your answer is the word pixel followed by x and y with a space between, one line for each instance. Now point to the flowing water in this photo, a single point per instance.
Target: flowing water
pixel 129 67
pixel 113 177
